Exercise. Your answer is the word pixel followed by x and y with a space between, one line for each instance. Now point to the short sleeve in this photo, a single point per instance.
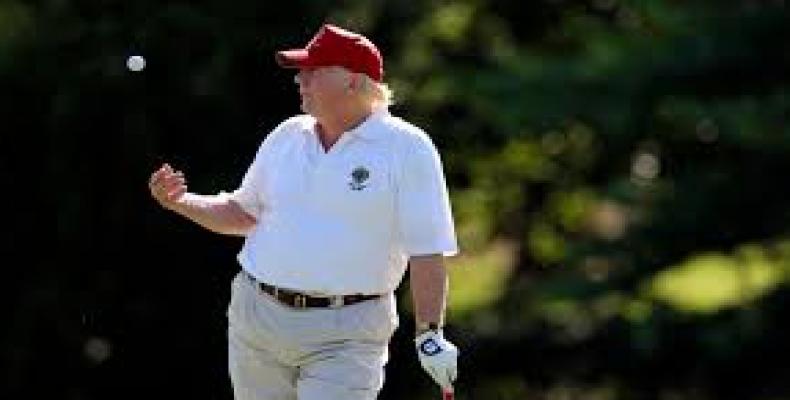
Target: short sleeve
pixel 249 194
pixel 423 206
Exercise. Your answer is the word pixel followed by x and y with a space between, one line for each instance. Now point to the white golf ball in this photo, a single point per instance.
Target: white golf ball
pixel 135 63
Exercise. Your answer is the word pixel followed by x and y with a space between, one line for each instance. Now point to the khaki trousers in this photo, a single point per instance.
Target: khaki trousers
pixel 276 352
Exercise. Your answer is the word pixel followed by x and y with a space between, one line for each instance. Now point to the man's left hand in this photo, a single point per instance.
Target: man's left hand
pixel 438 357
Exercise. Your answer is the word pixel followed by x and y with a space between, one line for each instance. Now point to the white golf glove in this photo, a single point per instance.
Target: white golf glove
pixel 438 357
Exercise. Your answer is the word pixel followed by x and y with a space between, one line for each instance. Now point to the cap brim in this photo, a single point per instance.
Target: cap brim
pixel 295 58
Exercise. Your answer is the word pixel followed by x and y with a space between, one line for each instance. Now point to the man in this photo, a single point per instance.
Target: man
pixel 335 204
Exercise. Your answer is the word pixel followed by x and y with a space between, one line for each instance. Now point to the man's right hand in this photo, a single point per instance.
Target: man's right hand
pixel 167 186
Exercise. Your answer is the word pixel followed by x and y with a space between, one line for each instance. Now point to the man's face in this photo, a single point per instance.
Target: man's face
pixel 321 89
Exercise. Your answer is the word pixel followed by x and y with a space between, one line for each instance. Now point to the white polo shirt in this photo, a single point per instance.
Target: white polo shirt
pixel 347 220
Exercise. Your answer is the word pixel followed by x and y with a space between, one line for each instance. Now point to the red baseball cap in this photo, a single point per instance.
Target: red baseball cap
pixel 334 46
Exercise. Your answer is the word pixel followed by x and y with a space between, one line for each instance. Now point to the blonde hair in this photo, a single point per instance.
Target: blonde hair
pixel 377 93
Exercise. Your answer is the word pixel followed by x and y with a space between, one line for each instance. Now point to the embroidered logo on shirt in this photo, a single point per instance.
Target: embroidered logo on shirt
pixel 358 178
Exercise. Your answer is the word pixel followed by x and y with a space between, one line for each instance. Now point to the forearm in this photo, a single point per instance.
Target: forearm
pixel 216 213
pixel 429 285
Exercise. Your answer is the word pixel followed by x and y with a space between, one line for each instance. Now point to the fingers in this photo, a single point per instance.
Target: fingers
pixel 165 175
pixel 167 184
pixel 164 169
pixel 172 180
pixel 437 377
pixel 447 381
pixel 158 173
pixel 176 194
pixel 441 376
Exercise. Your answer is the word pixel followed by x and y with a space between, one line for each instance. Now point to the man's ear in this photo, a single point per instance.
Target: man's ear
pixel 354 82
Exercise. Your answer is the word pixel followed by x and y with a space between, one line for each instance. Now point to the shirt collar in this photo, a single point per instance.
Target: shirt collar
pixel 369 128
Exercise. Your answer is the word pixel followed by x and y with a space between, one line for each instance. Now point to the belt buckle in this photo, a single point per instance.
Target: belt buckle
pixel 300 300
pixel 336 302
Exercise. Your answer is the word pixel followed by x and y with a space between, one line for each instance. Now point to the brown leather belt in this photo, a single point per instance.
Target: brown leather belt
pixel 301 300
